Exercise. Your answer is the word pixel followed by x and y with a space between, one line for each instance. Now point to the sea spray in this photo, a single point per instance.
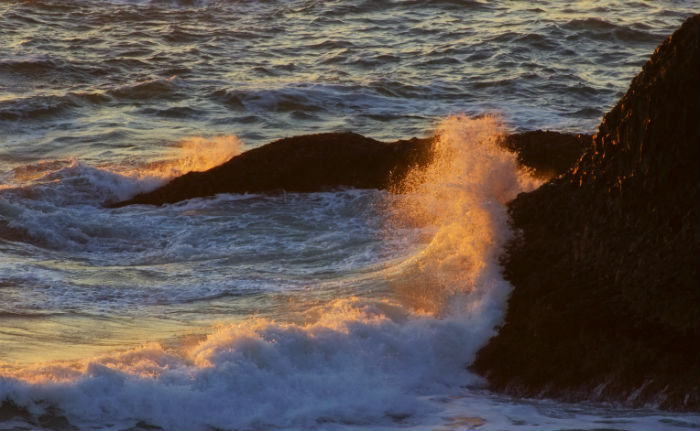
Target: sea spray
pixel 462 193
pixel 192 154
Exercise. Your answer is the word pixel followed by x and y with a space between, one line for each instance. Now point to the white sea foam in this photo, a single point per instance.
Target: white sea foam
pixel 355 362
pixel 359 364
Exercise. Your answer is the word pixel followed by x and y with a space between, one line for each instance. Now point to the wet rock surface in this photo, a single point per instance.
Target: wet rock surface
pixel 606 269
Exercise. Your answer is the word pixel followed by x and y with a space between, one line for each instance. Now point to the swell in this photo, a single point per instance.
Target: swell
pixel 167 88
pixel 600 29
pixel 31 65
pixel 43 106
pixel 130 66
pixel 24 67
pixel 47 106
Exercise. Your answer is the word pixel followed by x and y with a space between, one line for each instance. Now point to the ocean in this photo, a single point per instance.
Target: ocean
pixel 344 309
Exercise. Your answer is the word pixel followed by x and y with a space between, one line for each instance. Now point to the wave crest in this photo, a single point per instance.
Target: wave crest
pixel 357 364
pixel 352 361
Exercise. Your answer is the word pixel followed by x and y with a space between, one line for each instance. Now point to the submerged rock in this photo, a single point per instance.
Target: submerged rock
pixel 606 269
pixel 312 163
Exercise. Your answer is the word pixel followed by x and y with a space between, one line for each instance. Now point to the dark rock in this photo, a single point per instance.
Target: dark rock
pixel 606 271
pixel 547 153
pixel 9 411
pixel 143 426
pixel 50 419
pixel 307 163
pixel 325 161
pixel 54 420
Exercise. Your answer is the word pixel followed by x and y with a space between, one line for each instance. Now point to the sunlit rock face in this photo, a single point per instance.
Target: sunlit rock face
pixel 606 304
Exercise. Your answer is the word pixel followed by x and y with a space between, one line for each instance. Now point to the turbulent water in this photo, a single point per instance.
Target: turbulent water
pixel 345 309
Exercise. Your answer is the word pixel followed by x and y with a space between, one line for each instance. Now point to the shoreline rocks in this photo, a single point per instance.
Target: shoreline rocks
pixel 606 269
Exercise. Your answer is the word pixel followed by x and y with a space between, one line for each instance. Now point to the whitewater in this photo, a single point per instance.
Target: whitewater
pixel 344 309
pixel 327 310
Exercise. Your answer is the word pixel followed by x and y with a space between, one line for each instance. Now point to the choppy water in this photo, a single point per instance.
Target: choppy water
pixel 328 310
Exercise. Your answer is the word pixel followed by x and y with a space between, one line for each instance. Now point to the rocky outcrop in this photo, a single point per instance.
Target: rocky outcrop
pixel 325 161
pixel 606 269
pixel 50 419
pixel 547 153
pixel 306 163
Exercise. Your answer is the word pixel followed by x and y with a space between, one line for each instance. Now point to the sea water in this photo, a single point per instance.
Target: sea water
pixel 342 309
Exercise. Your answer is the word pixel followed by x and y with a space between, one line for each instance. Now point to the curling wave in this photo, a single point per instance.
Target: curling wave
pixel 354 360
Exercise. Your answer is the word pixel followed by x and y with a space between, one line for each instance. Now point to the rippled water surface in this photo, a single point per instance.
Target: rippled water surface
pixel 343 309
pixel 105 79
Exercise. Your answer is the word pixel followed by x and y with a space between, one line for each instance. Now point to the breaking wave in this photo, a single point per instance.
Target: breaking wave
pixel 357 360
